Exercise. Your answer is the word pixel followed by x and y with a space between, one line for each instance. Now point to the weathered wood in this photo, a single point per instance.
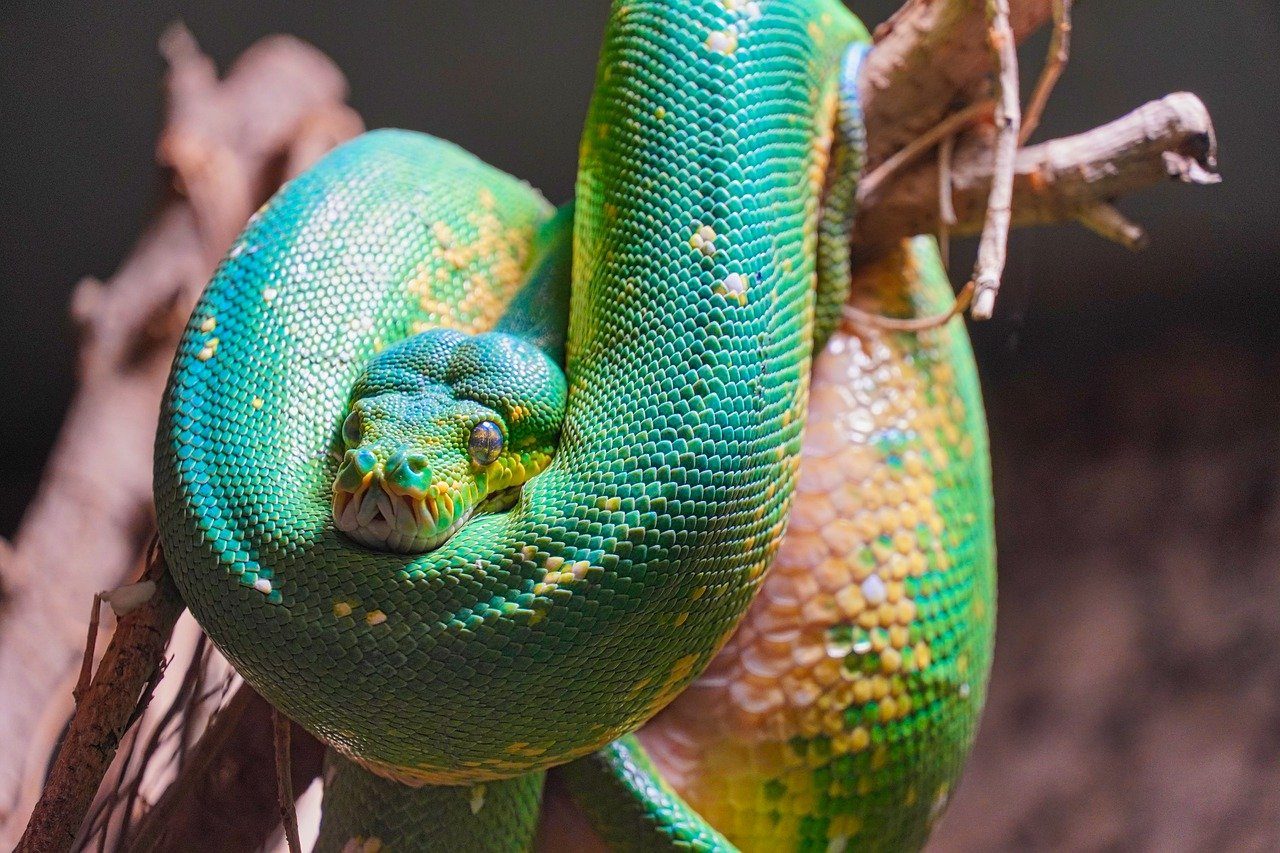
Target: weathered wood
pixel 225 147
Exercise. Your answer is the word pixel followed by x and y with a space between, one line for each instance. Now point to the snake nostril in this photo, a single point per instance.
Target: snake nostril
pixel 349 473
pixel 417 462
pixel 364 460
pixel 408 471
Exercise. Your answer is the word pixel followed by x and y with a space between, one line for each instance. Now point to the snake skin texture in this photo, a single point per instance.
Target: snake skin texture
pixel 537 635
pixel 715 166
pixel 364 813
pixel 839 714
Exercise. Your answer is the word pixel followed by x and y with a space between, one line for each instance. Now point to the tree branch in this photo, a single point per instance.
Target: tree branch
pixel 929 58
pixel 225 147
pixel 994 243
pixel 1061 180
pixel 109 705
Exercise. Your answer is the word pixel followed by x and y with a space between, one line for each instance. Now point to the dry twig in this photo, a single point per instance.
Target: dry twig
pixel 222 800
pixel 1104 220
pixel 1054 64
pixel 946 207
pixel 109 705
pixel 854 317
pixel 224 145
pixel 1062 180
pixel 227 146
pixel 993 246
pixel 284 780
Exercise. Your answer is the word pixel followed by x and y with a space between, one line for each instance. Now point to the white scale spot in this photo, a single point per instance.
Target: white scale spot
pixel 723 41
pixel 873 590
pixel 939 804
pixel 262 585
pixel 735 284
pixel 964 690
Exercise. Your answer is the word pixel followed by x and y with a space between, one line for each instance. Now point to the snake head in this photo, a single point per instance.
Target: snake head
pixel 440 427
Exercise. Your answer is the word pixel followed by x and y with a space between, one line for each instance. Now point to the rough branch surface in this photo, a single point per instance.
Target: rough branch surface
pixel 931 56
pixel 225 147
pixel 107 708
pixel 1057 181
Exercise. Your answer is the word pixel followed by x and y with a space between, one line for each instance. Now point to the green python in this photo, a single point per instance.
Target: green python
pixel 593 543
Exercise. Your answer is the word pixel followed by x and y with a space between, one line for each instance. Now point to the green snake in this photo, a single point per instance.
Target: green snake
pixel 460 567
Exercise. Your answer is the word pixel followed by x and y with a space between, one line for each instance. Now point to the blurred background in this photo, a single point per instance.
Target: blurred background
pixel 1134 400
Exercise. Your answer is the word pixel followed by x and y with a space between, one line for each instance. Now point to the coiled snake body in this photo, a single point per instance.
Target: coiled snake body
pixel 712 190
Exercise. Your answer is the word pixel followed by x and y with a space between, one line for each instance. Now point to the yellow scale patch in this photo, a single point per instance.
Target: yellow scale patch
pixel 792 668
pixel 486 258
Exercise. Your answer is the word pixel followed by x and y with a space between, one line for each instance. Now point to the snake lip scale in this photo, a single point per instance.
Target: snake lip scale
pixel 383 516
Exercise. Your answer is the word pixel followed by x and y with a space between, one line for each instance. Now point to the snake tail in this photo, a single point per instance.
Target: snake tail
pixel 365 813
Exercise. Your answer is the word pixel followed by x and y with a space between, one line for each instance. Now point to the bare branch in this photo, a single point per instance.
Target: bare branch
pixel 110 704
pixel 284 779
pixel 1105 221
pixel 993 246
pixel 1054 64
pixel 224 145
pixel 929 58
pixel 1055 181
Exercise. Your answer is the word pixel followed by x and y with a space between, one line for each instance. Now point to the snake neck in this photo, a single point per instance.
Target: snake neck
pixel 539 311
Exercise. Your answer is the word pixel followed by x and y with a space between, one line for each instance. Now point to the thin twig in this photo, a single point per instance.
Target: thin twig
pixel 284 780
pixel 150 831
pixel 1054 64
pixel 1106 221
pixel 856 317
pixel 1054 181
pixel 946 204
pixel 129 665
pixel 994 244
pixel 90 649
pixel 948 127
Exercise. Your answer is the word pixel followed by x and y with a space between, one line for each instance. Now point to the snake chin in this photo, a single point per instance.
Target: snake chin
pixel 379 516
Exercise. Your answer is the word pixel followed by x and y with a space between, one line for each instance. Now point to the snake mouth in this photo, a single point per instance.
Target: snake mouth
pixel 378 515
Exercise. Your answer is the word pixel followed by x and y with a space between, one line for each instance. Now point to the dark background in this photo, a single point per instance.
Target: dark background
pixel 1134 399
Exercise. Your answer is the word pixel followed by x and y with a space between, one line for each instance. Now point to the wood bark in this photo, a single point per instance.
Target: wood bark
pixel 1062 180
pixel 225 147
pixel 929 58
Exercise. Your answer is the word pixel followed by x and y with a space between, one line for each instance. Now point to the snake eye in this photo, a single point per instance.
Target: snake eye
pixel 351 430
pixel 485 443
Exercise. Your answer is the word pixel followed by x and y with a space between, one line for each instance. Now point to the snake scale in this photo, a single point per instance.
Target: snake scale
pixel 460 567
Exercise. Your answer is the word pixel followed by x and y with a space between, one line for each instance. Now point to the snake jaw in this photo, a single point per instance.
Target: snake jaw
pixel 379 515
